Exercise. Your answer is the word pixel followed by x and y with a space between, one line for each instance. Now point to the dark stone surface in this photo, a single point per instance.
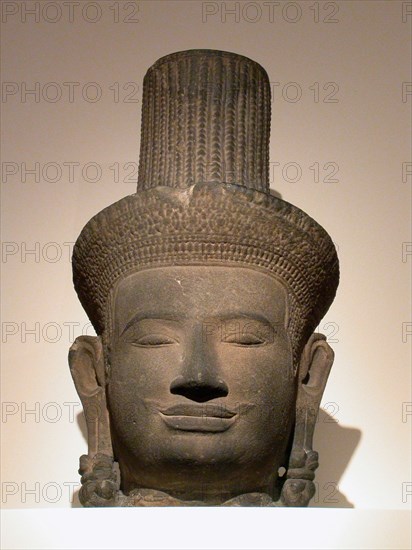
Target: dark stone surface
pixel 205 378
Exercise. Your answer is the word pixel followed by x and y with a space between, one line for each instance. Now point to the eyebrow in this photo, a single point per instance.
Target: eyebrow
pixel 155 316
pixel 247 316
pixel 222 318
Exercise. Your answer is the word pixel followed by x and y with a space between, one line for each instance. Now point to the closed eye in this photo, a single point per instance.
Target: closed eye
pixel 153 340
pixel 244 340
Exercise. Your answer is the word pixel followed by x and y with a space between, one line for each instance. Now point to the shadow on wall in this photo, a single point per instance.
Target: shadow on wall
pixel 335 444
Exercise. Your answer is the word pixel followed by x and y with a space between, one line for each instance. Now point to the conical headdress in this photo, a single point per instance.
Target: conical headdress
pixel 203 193
pixel 206 117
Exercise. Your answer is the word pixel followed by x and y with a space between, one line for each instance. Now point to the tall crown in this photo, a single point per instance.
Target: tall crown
pixel 206 118
pixel 203 194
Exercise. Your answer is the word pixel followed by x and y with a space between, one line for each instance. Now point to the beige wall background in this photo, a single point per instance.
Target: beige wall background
pixel 340 150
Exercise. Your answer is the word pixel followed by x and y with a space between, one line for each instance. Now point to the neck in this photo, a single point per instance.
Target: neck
pixel 208 485
pixel 155 498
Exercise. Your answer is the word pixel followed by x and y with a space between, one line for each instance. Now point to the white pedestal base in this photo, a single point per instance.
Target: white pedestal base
pixel 211 528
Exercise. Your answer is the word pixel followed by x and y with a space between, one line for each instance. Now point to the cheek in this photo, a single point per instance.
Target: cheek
pixel 137 372
pixel 263 377
pixel 264 373
pixel 137 378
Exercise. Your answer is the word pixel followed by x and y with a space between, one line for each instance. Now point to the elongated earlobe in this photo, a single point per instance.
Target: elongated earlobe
pixel 99 480
pixel 315 365
pixel 87 369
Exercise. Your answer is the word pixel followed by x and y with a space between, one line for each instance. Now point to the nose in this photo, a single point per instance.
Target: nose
pixel 199 391
pixel 199 379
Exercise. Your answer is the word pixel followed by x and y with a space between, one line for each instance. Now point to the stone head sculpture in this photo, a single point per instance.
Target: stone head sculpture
pixel 204 381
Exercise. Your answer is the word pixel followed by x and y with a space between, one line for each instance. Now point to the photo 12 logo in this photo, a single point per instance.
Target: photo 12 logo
pixel 13 172
pixel 69 92
pixel 70 12
pixel 270 12
pixel 13 492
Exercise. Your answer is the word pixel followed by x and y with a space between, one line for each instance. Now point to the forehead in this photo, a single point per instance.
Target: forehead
pixel 200 292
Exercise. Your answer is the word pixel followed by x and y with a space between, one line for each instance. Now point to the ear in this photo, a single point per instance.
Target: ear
pixel 86 363
pixel 316 362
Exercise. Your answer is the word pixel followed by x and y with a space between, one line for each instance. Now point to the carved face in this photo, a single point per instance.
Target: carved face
pixel 201 388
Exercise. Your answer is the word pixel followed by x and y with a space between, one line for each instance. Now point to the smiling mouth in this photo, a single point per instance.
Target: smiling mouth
pixel 198 418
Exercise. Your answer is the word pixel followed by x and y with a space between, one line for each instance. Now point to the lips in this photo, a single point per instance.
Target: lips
pixel 198 418
pixel 202 411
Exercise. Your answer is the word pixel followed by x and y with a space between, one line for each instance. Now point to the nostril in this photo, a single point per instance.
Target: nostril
pixel 199 392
